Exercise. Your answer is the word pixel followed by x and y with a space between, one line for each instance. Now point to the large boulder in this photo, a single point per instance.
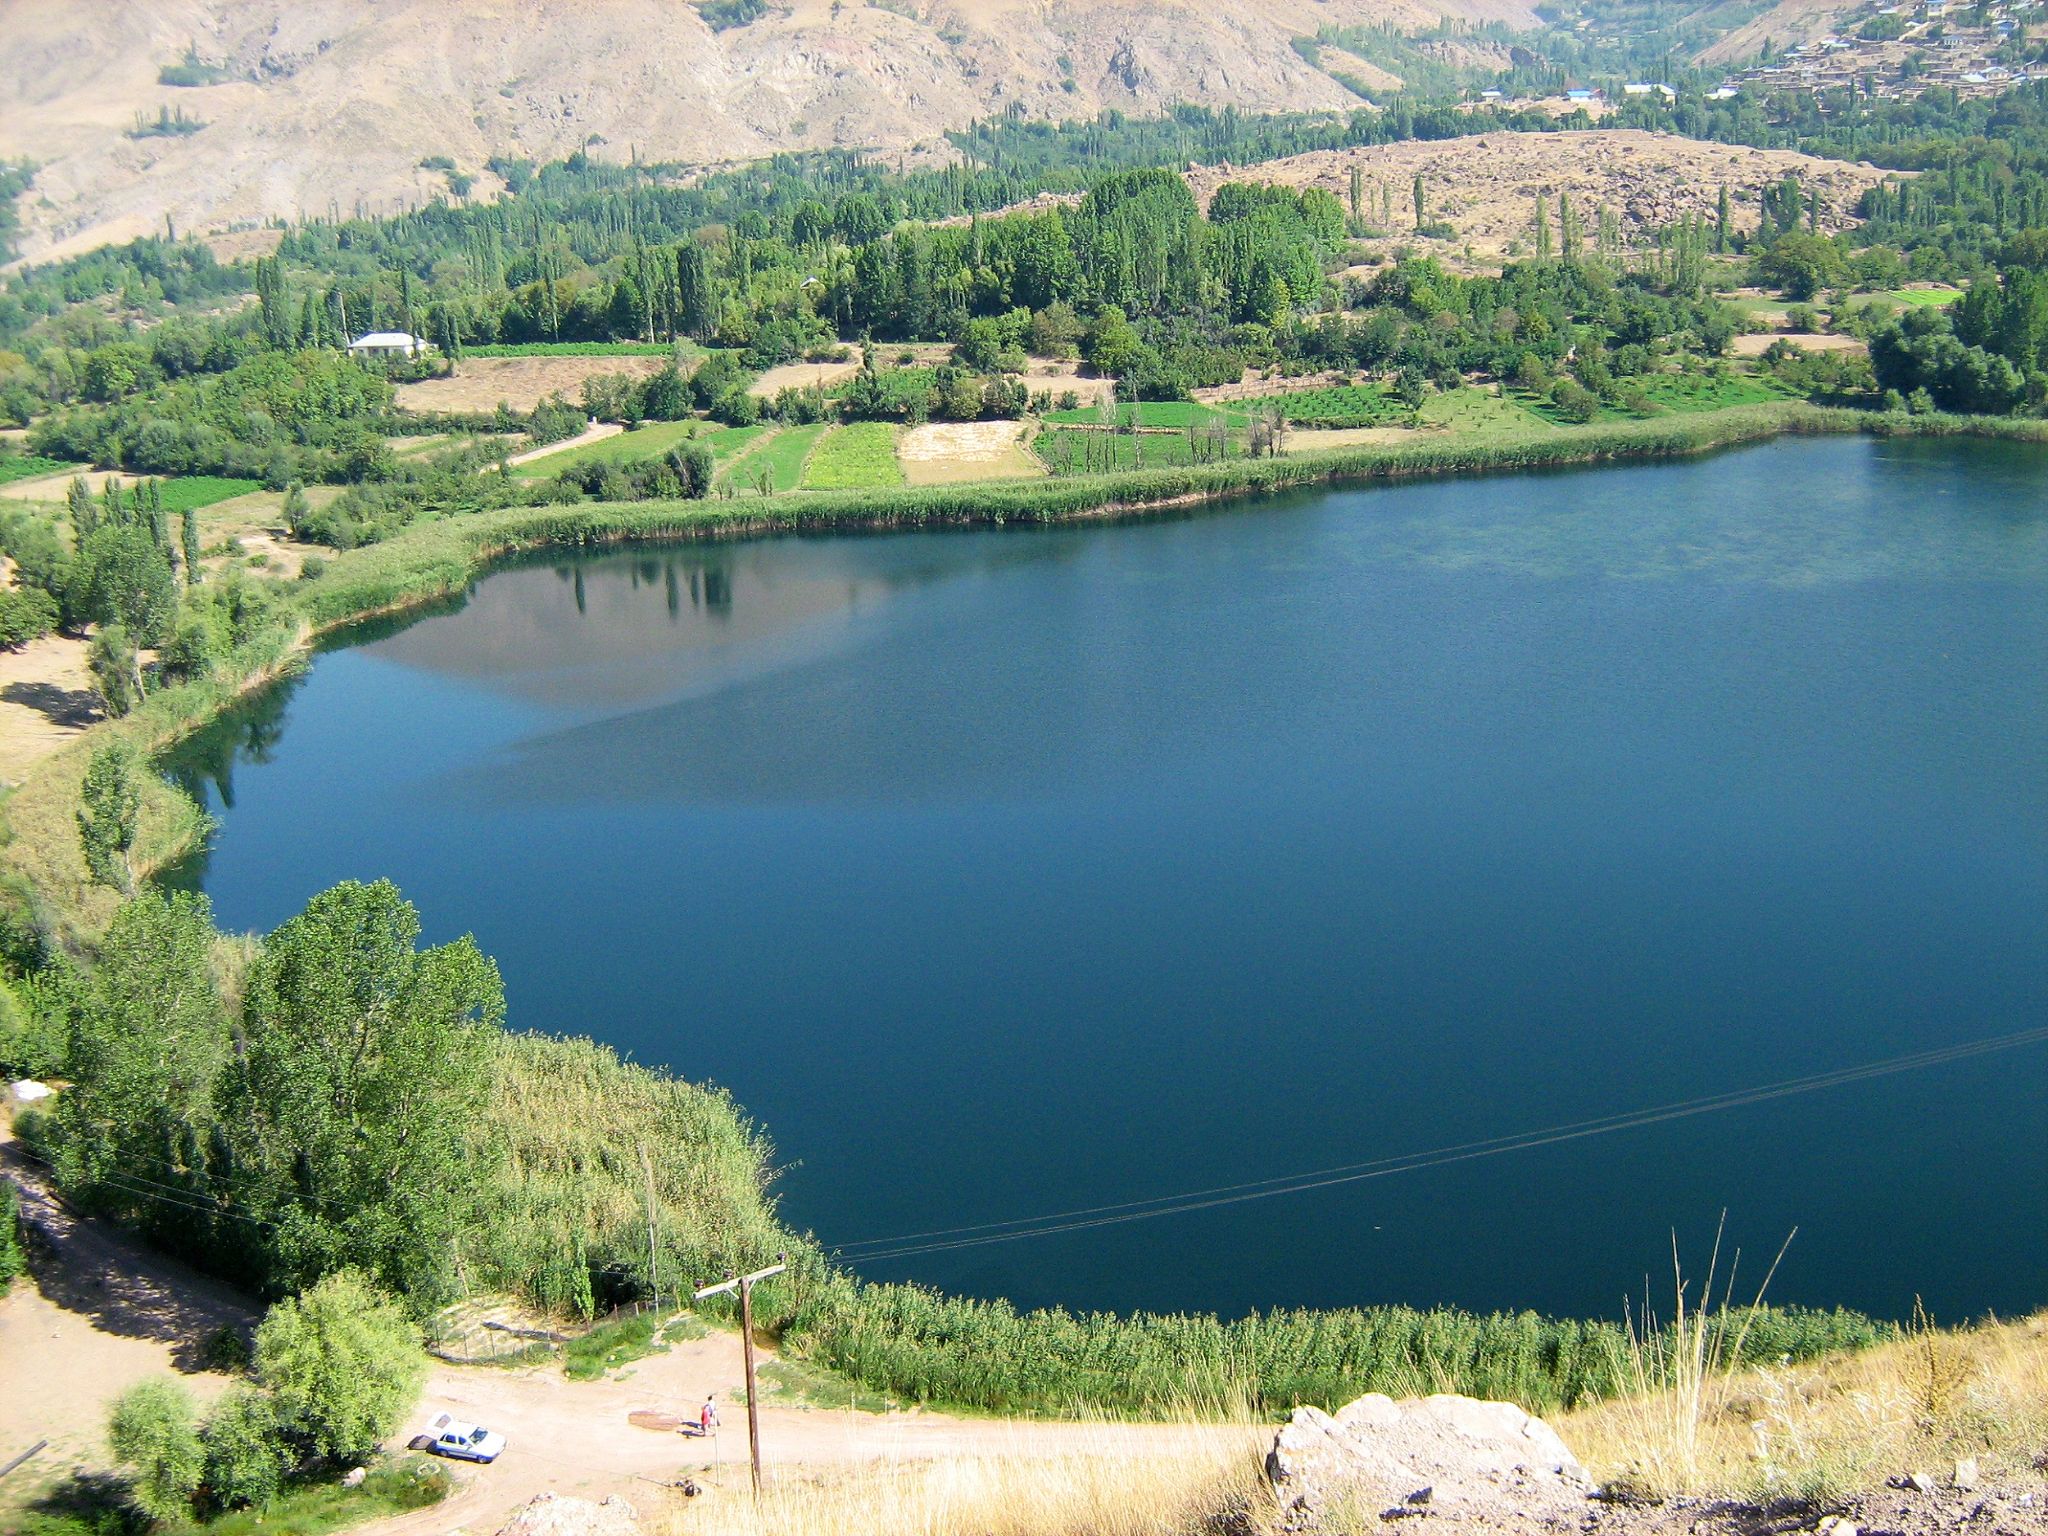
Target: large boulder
pixel 1456 1459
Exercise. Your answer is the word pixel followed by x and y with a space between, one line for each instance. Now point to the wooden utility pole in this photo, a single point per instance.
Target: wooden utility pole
pixel 745 1284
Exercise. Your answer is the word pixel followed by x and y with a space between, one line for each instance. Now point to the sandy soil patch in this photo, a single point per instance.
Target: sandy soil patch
pixel 256 522
pixel 805 376
pixel 945 452
pixel 1056 378
pixel 46 698
pixel 479 383
pixel 1485 187
pixel 1758 344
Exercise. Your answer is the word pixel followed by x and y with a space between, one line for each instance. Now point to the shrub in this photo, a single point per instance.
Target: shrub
pixel 155 1434
pixel 344 1364
pixel 25 614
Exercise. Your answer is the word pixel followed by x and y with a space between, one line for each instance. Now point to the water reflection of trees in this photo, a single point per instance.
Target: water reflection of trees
pixel 203 764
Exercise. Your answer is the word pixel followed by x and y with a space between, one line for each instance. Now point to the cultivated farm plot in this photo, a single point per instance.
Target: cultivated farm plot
pixel 780 456
pixel 858 457
pixel 1335 405
pixel 646 442
pixel 1076 451
pixel 1145 413
pixel 480 383
pixel 950 452
pixel 34 467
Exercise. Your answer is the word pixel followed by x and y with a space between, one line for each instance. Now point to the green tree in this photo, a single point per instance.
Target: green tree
pixel 116 672
pixel 1421 204
pixel 245 1449
pixel 343 1365
pixel 110 805
pixel 123 576
pixel 155 1434
pixel 188 544
pixel 85 512
pixel 148 1042
pixel 13 1261
pixel 296 508
pixel 355 1101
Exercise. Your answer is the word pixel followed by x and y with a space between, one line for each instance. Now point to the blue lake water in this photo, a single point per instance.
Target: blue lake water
pixel 1008 872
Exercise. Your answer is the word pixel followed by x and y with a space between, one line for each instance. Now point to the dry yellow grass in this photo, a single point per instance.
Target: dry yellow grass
pixel 1215 1475
pixel 1834 1425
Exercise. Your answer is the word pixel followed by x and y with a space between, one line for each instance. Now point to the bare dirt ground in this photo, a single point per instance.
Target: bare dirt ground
pixel 46 698
pixel 479 383
pixel 1755 345
pixel 1057 377
pixel 1255 385
pixel 946 452
pixel 101 1314
pixel 804 375
pixel 1485 187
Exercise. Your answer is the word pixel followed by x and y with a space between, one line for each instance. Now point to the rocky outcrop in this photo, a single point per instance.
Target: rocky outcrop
pixel 1468 1462
pixel 556 1515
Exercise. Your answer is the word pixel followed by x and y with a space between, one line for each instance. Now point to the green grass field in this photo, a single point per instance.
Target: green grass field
pixel 33 467
pixel 188 493
pixel 657 437
pixel 1149 413
pixel 1070 451
pixel 781 456
pixel 1674 393
pixel 1926 298
pixel 858 457
pixel 582 349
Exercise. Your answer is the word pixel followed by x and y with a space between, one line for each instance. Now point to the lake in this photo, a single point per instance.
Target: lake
pixel 1003 873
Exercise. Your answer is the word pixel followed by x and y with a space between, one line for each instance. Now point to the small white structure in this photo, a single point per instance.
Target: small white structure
pixel 29 1091
pixel 387 344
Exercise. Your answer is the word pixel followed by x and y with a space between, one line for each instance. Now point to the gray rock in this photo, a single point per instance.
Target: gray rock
pixel 1920 1482
pixel 1453 1456
pixel 1966 1473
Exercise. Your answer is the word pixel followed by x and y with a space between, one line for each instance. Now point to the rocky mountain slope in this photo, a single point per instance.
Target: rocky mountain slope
pixel 318 105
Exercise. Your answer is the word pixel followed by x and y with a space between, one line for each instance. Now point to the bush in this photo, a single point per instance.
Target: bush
pixel 155 1434
pixel 25 614
pixel 344 1364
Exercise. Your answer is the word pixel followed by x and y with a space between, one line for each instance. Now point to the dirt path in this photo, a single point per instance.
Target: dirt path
pixel 596 432
pixel 100 1314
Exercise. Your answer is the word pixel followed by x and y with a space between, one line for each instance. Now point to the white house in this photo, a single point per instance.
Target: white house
pixel 387 344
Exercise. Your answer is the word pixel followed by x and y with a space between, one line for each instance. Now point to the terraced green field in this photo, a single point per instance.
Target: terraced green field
pixel 1336 405
pixel 188 493
pixel 656 437
pixel 1071 451
pixel 858 457
pixel 780 456
pixel 1148 413
pixel 33 467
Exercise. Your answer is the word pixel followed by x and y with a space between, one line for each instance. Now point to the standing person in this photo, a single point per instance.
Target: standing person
pixel 707 1417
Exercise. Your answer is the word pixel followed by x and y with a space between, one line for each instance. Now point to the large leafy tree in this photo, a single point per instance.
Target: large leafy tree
pixel 148 1042
pixel 342 1364
pixel 154 1432
pixel 355 1105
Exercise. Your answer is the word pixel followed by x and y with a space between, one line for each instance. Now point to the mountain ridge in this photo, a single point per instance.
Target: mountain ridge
pixel 332 105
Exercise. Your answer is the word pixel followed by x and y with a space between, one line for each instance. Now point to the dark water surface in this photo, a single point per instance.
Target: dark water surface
pixel 1008 872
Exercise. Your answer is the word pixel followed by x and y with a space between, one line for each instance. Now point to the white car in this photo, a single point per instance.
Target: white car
pixel 466 1442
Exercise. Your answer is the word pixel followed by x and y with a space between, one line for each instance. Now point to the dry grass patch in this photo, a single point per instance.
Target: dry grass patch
pixel 1211 1478
pixel 1835 1425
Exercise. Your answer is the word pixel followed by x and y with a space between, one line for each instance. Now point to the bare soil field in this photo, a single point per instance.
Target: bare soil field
pixel 803 376
pixel 1485 187
pixel 946 452
pixel 1059 377
pixel 596 432
pixel 52 487
pixel 1757 344
pixel 256 523
pixel 480 383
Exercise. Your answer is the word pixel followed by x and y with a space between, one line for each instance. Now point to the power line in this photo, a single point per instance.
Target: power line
pixel 1084 1218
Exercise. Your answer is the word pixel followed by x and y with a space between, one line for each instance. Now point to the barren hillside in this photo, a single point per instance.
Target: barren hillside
pixel 1485 187
pixel 333 104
